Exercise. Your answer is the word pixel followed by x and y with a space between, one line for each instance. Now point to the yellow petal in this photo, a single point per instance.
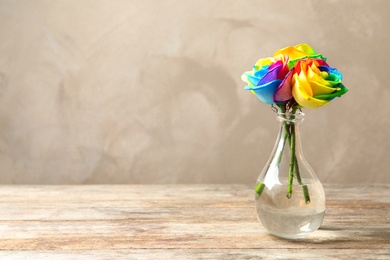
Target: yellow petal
pixel 301 79
pixel 318 83
pixel 299 51
pixel 319 89
pixel 303 98
pixel 324 74
pixel 306 48
pixel 264 62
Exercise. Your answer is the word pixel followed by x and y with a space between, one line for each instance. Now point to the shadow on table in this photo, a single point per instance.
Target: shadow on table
pixel 345 237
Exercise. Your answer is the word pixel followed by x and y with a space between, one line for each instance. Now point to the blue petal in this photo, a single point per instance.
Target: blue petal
pixel 331 70
pixel 266 92
pixel 338 74
pixel 252 79
pixel 261 72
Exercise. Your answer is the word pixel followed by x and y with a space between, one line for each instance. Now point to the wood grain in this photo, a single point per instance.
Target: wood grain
pixel 181 221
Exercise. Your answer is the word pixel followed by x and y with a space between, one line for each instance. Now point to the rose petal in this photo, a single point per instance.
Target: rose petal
pixel 332 72
pixel 318 57
pixel 250 79
pixel 305 48
pixel 271 75
pixel 303 98
pixel 261 72
pixel 264 62
pixel 339 91
pixel 283 93
pixel 265 92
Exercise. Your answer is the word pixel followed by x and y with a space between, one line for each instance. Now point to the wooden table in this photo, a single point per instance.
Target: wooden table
pixel 181 222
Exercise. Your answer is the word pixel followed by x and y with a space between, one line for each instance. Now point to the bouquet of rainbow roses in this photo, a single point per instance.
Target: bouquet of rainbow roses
pixel 294 78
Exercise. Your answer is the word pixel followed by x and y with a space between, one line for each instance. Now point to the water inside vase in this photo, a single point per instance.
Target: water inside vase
pixel 291 217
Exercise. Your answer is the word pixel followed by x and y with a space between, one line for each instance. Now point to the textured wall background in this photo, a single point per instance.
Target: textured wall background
pixel 148 91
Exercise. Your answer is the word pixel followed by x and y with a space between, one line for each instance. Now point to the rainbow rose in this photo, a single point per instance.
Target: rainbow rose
pixel 295 75
pixel 315 83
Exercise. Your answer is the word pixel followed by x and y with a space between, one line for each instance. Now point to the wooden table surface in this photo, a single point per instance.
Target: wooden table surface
pixel 182 222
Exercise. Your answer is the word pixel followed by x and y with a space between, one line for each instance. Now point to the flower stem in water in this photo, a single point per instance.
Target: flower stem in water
pixel 292 162
pixel 259 188
pixel 304 187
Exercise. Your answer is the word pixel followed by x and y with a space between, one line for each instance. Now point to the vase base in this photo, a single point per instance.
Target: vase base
pixel 291 237
pixel 291 225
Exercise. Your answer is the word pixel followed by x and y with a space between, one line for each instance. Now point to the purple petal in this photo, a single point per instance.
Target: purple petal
pixel 284 91
pixel 272 74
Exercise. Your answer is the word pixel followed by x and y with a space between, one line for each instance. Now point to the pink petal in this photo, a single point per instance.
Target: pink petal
pixel 284 91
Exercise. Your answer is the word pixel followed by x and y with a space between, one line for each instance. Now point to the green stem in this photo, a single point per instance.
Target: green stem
pixel 304 187
pixel 286 133
pixel 259 188
pixel 292 162
pixel 291 138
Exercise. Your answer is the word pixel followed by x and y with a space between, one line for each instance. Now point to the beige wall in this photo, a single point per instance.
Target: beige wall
pixel 149 91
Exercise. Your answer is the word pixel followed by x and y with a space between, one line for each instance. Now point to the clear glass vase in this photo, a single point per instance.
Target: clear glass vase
pixel 290 200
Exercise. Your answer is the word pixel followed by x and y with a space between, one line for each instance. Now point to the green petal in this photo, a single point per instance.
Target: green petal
pixel 341 90
pixel 293 62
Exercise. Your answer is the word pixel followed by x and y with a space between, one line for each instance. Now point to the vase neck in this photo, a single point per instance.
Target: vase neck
pixel 290 119
pixel 288 128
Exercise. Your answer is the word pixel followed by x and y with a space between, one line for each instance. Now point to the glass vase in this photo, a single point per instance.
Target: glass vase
pixel 290 200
